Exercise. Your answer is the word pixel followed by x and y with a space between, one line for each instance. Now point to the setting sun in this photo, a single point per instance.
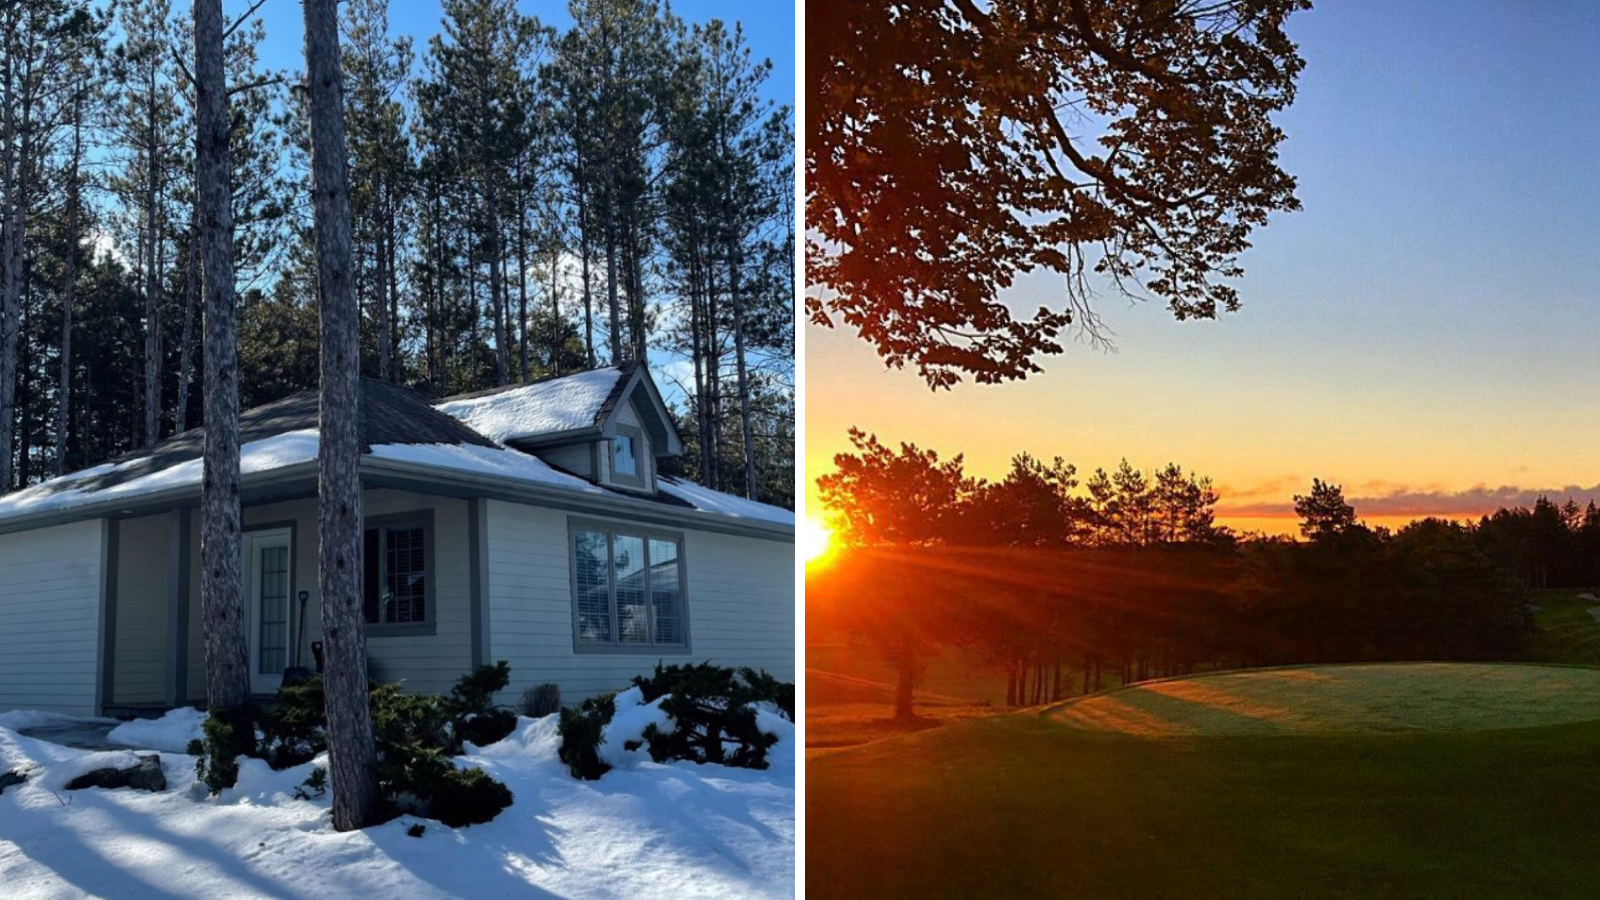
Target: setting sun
pixel 815 539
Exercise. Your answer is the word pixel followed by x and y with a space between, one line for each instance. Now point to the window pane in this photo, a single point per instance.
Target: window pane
pixel 666 599
pixel 593 566
pixel 631 608
pixel 272 643
pixel 405 575
pixel 369 575
pixel 626 462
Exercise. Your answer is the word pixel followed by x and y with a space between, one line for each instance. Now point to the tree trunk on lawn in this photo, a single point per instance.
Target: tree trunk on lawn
pixel 352 755
pixel 221 594
pixel 907 675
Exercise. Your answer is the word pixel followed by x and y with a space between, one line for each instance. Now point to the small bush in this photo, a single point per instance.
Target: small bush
pixel 468 797
pixel 711 708
pixel 581 730
pixel 541 700
pixel 294 731
pixel 416 734
pixel 315 785
pixel 487 727
pixel 230 734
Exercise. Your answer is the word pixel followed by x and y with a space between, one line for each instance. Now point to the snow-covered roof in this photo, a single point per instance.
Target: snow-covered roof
pixel 551 406
pixel 399 427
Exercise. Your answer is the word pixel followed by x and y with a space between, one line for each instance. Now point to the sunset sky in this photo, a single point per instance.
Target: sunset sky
pixel 1425 332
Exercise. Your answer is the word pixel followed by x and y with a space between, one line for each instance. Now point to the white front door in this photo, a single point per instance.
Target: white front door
pixel 267 591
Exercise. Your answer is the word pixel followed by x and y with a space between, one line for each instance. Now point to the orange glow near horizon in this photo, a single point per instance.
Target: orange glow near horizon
pixel 816 541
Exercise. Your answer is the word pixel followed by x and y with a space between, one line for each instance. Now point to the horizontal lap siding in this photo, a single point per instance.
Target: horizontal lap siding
pixel 141 657
pixel 741 601
pixel 50 594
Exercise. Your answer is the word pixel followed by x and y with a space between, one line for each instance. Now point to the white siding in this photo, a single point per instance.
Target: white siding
pixel 740 600
pixel 140 661
pixel 51 584
pixel 430 662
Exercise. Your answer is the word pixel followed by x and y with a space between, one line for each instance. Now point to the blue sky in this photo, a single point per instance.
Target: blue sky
pixel 1426 331
pixel 769 28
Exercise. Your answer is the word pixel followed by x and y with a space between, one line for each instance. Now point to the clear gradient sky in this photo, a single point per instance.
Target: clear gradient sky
pixel 769 28
pixel 1425 332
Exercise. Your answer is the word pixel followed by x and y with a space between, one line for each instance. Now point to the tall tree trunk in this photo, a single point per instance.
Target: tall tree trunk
pixel 392 320
pixel 522 287
pixel 191 290
pixel 380 290
pixel 617 355
pixel 497 284
pixel 697 351
pixel 743 376
pixel 583 252
pixel 221 591
pixel 11 264
pixel 68 291
pixel 352 755
pixel 152 279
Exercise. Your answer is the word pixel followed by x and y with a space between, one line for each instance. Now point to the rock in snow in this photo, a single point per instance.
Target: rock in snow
pixel 146 776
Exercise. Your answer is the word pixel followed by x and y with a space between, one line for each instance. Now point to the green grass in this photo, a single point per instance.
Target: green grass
pixel 1565 630
pixel 1021 806
pixel 1373 698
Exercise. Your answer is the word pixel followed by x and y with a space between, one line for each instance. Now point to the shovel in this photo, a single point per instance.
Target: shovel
pixel 297 672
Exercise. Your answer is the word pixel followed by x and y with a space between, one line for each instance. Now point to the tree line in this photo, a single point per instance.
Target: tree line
pixel 1072 587
pixel 525 202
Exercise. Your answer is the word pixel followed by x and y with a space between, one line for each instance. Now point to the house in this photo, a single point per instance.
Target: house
pixel 529 523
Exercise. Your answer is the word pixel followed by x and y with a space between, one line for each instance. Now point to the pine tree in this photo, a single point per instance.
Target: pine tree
pixel 221 591
pixel 352 754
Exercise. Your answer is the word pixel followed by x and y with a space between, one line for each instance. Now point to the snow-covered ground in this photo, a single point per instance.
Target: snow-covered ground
pixel 644 830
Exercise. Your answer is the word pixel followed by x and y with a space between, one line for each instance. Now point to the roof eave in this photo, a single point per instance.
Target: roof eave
pixel 283 482
pixel 517 490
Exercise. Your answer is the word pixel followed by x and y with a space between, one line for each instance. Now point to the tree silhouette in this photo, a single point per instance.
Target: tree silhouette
pixel 1323 512
pixel 951 148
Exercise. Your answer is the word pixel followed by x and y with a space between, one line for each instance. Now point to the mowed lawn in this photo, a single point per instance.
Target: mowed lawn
pixel 1031 805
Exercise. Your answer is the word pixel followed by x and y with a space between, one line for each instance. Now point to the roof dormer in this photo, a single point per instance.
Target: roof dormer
pixel 608 425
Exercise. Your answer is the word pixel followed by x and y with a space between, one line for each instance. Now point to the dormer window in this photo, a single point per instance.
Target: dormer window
pixel 630 458
pixel 625 454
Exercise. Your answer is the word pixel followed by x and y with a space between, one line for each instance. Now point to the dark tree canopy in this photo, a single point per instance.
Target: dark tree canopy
pixel 1323 512
pixel 953 146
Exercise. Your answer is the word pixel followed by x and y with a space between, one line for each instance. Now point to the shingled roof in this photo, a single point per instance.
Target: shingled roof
pixel 390 414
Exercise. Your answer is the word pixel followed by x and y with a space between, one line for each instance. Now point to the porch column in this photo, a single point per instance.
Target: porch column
pixel 178 556
pixel 111 530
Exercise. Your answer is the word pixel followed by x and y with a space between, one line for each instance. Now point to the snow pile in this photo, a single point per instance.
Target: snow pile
pixel 628 725
pixel 676 830
pixel 264 455
pixel 704 498
pixel 171 733
pixel 559 404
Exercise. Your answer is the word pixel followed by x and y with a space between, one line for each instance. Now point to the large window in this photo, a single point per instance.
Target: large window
pixel 396 586
pixel 627 588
